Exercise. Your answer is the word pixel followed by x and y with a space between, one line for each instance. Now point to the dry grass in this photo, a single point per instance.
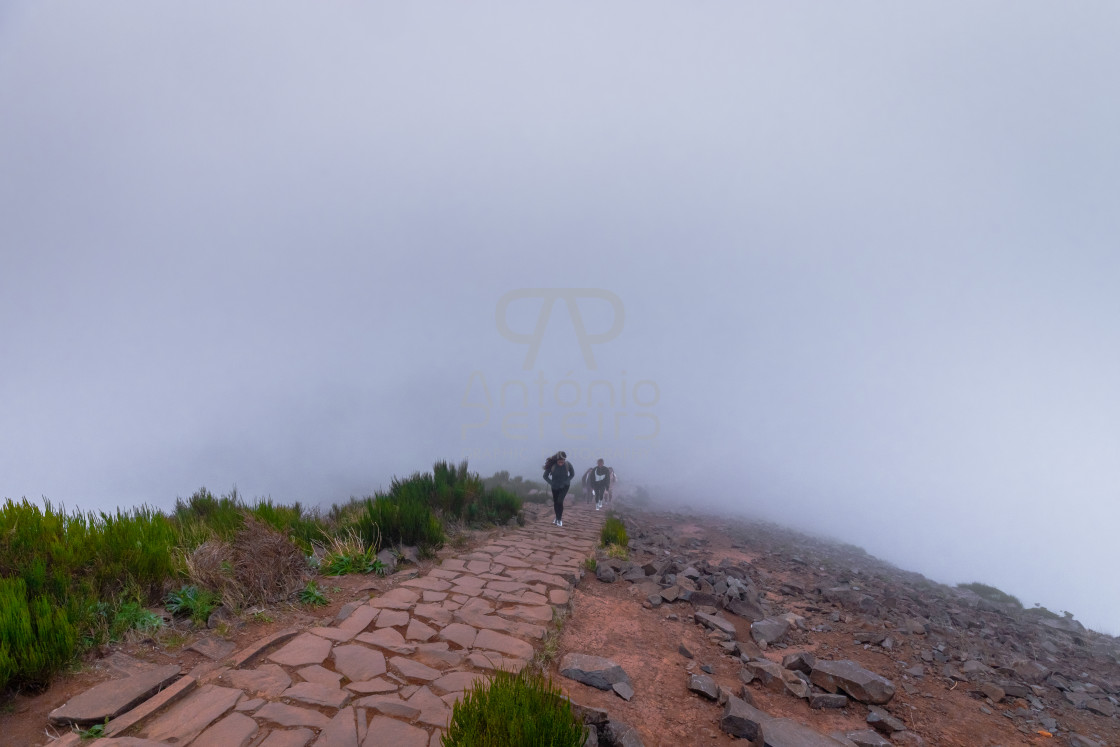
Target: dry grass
pixel 260 566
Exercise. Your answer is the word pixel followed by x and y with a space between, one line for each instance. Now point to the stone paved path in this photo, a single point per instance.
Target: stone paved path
pixel 389 668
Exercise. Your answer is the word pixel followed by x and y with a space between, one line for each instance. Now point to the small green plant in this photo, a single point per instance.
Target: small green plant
pixel 128 616
pixel 97 731
pixel 261 616
pixel 313 595
pixel 514 710
pixel 590 563
pixel 349 554
pixel 613 532
pixel 192 602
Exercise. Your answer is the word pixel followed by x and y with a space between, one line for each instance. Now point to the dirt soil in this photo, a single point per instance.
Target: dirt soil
pixel 610 620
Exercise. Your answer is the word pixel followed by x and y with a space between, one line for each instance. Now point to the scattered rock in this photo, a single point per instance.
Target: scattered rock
pixel 859 683
pixel 740 719
pixel 770 630
pixel 703 685
pixel 592 670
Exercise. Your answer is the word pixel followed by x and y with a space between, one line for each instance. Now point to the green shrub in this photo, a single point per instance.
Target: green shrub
pixel 496 506
pixel 399 521
pixel 514 710
pixel 613 532
pixel 36 637
pixel 991 593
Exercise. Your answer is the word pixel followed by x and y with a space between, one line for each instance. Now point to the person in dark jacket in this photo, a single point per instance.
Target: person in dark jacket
pixel 558 473
pixel 585 482
pixel 600 482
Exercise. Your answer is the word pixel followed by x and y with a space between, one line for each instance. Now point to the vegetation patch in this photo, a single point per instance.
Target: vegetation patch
pixel 991 593
pixel 192 602
pixel 613 532
pixel 514 710
pixel 311 594
pixel 348 555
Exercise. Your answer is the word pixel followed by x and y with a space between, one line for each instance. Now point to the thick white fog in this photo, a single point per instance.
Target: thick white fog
pixel 852 268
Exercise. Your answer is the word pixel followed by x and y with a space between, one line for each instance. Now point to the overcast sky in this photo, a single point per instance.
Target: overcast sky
pixel 853 267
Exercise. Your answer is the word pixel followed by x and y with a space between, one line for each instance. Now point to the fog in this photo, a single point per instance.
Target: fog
pixel 852 268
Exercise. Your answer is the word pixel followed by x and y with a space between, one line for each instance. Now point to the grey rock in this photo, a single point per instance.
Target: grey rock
pixel 605 573
pixel 796 683
pixel 745 608
pixel 868 738
pixel 859 683
pixel 592 670
pixel 769 630
pixel 828 700
pixel 716 622
pixel 619 734
pixel 784 732
pixel 623 690
pixel 683 651
pixel 800 662
pixel 388 559
pixel 883 722
pixel 1077 740
pixel 740 719
pixel 768 674
pixel 703 685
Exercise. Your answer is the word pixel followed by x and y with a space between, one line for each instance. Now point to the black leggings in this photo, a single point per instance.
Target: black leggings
pixel 558 501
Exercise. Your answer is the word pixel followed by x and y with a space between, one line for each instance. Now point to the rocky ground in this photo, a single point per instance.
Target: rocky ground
pixel 724 631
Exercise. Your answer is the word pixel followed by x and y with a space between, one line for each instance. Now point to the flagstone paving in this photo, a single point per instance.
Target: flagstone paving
pixel 391 667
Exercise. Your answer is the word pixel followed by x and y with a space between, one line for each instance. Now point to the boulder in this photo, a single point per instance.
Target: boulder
pixel 828 700
pixel 859 683
pixel 704 685
pixel 745 608
pixel 605 573
pixel 770 630
pixel 742 720
pixel 883 722
pixel 801 662
pixel 784 732
pixel 716 622
pixel 592 670
pixel 868 738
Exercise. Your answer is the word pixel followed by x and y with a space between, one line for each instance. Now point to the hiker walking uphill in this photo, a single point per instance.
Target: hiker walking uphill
pixel 558 473
pixel 600 482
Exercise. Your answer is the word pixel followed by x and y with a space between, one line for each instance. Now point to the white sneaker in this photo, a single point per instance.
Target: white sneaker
pixel 554 522
pixel 560 523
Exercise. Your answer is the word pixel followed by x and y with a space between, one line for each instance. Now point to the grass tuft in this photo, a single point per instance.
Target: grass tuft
pixel 514 710
pixel 613 532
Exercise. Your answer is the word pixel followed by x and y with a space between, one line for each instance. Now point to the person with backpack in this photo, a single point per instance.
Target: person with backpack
pixel 600 482
pixel 558 473
pixel 585 482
